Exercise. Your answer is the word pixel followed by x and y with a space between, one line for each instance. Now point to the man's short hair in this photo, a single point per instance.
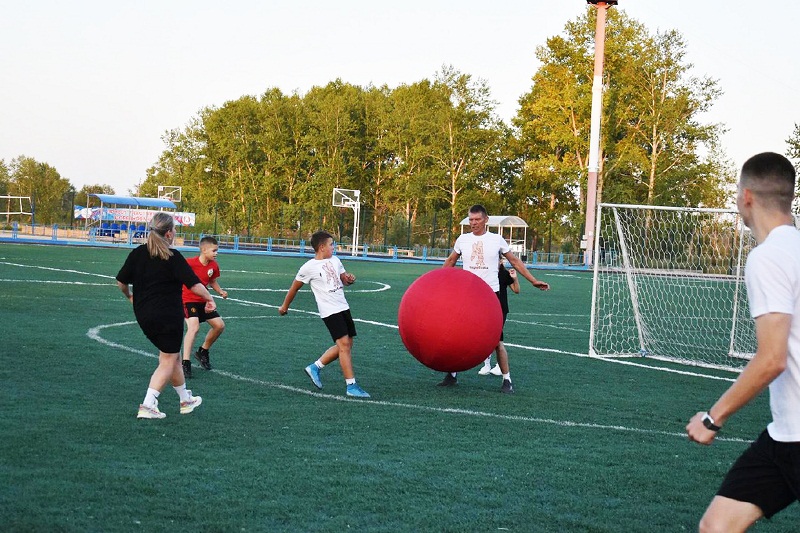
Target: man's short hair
pixel 319 238
pixel 208 240
pixel 478 208
pixel 771 178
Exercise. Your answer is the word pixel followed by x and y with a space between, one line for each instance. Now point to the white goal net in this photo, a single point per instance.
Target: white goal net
pixel 668 284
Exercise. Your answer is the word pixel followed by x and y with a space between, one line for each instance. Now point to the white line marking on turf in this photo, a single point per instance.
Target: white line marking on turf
pixel 381 287
pixel 620 362
pixel 58 282
pixel 94 334
pixel 392 326
pixel 523 347
pixel 57 270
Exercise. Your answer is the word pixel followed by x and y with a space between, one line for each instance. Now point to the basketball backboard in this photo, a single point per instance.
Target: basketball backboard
pixel 170 192
pixel 346 198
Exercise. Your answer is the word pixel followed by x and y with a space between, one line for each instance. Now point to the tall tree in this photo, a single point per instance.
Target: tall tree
pixel 793 150
pixel 468 138
pixel 44 185
pixel 654 147
pixel 5 178
pixel 83 195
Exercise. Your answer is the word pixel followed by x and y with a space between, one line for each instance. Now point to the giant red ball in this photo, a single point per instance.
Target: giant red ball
pixel 450 320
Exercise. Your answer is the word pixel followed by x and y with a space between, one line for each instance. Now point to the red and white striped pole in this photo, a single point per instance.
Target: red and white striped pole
pixel 594 133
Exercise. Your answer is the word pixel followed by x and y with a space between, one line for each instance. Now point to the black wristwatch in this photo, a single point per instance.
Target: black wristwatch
pixel 708 422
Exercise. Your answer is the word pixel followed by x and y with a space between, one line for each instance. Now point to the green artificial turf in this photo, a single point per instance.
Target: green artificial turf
pixel 583 445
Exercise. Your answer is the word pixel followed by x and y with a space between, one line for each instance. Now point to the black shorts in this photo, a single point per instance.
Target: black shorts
pixel 198 310
pixel 505 314
pixel 767 475
pixel 340 325
pixel 165 334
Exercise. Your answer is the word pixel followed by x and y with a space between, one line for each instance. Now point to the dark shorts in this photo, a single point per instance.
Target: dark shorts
pixel 767 475
pixel 198 310
pixel 340 325
pixel 165 334
pixel 505 314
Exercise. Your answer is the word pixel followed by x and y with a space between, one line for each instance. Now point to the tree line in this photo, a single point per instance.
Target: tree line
pixel 422 152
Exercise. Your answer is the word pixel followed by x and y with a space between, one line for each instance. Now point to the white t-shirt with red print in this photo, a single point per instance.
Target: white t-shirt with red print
pixel 324 277
pixel 481 255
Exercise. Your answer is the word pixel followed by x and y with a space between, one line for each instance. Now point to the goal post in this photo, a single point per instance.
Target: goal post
pixel 668 284
pixel 15 205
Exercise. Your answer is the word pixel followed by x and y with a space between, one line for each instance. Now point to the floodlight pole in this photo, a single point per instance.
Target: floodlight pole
pixel 594 133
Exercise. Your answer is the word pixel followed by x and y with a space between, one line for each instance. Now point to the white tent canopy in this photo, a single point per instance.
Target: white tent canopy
pixel 508 227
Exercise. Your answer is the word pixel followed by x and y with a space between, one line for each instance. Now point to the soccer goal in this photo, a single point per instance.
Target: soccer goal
pixel 668 284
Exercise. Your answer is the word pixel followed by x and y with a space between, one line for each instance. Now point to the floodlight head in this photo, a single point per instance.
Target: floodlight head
pixel 609 3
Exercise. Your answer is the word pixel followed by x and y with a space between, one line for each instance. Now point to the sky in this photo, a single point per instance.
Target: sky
pixel 90 87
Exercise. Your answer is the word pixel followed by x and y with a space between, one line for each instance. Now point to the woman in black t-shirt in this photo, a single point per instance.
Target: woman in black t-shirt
pixel 156 273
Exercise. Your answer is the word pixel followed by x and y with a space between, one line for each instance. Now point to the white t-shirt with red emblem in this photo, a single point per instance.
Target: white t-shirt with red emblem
pixel 324 277
pixel 480 254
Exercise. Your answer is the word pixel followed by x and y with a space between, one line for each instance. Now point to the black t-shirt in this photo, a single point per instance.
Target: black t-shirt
pixel 156 283
pixel 505 282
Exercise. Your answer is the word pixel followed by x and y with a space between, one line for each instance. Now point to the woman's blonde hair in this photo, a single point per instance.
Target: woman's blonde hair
pixel 157 243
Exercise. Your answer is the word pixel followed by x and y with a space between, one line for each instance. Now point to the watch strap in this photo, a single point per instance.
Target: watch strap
pixel 709 423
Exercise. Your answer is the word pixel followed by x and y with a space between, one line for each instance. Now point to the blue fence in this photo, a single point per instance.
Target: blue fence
pixel 128 236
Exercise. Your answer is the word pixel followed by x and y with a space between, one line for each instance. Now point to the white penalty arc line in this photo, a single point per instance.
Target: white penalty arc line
pixel 94 334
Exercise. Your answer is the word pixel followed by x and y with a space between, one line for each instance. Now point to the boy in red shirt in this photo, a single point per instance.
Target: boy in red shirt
pixel 206 268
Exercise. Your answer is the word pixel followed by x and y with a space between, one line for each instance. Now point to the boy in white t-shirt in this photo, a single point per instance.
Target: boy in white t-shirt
pixel 327 277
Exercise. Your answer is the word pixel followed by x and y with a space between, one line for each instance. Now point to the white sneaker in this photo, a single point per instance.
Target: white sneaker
pixel 192 404
pixel 150 412
pixel 484 371
pixel 496 371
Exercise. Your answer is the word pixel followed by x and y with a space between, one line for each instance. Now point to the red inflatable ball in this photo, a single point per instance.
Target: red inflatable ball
pixel 450 320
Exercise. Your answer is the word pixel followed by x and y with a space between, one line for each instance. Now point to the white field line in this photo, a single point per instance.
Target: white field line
pixel 94 334
pixel 57 269
pixel 392 326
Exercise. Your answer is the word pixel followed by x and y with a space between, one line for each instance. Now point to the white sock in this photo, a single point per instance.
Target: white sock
pixel 151 397
pixel 350 381
pixel 319 364
pixel 488 362
pixel 183 393
pixel 507 376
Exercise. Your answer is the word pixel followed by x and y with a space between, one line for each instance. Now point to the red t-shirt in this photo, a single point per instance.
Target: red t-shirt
pixel 206 273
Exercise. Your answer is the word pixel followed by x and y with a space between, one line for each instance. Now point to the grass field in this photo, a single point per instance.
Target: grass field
pixel 583 445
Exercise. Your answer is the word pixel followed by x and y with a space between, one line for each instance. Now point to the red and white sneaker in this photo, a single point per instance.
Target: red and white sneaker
pixel 191 405
pixel 150 412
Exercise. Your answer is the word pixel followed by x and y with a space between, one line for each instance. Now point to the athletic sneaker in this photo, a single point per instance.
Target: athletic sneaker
pixel 485 370
pixel 150 412
pixel 356 391
pixel 496 371
pixel 507 387
pixel 313 372
pixel 193 403
pixel 187 368
pixel 203 356
pixel 448 381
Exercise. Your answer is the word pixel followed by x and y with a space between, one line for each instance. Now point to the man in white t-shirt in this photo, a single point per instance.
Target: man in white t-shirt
pixel 766 477
pixel 327 277
pixel 479 252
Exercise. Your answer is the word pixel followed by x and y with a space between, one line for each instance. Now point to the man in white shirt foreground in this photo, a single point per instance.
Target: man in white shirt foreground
pixel 766 477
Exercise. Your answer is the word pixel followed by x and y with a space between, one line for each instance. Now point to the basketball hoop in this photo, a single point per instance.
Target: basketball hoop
pixel 350 198
pixel 170 192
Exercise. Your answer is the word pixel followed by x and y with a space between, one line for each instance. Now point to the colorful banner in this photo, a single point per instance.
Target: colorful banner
pixel 135 216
